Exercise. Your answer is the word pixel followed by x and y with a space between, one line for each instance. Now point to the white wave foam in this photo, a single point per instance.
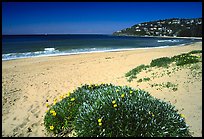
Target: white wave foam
pixel 53 52
pixel 167 40
pixel 49 49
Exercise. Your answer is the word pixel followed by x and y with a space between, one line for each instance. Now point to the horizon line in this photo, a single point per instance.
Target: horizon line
pixel 63 34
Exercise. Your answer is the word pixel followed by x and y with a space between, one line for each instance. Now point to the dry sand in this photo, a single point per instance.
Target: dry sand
pixel 27 83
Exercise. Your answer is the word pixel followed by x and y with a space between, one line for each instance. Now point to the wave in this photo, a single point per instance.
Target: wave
pixel 168 40
pixel 47 51
pixel 54 52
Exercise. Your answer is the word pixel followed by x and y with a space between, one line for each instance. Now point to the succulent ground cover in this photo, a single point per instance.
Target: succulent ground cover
pixel 114 111
pixel 177 62
pixel 165 85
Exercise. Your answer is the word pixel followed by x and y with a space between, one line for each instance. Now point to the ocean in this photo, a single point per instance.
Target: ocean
pixel 25 46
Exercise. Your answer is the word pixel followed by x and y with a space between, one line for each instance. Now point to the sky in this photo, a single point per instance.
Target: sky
pixel 88 17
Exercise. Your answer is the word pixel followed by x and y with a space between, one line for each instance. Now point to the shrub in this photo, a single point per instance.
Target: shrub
pixel 140 80
pixel 132 74
pixel 146 79
pixel 195 52
pixel 115 111
pixel 164 62
pixel 184 59
pixel 160 62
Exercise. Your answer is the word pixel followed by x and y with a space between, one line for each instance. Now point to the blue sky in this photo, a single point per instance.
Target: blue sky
pixel 88 17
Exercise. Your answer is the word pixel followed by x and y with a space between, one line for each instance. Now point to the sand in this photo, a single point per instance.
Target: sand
pixel 27 83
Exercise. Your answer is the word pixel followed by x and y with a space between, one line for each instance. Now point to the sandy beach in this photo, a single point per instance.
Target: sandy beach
pixel 27 83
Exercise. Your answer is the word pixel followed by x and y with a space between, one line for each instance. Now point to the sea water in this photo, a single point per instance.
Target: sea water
pixel 25 46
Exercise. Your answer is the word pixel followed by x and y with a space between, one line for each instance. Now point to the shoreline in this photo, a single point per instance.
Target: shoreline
pixel 28 83
pixel 197 38
pixel 101 51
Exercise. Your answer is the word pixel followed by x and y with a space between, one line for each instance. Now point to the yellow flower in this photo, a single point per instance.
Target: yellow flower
pixel 72 99
pixel 182 115
pixel 54 113
pixel 115 105
pixel 150 113
pixel 68 94
pixel 99 120
pixel 122 96
pixel 51 111
pixel 47 105
pixel 117 90
pixel 130 91
pixel 54 102
pixel 51 127
pixel 113 101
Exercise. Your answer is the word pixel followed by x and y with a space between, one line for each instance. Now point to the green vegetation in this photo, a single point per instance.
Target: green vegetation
pixel 161 62
pixel 120 111
pixel 144 79
pixel 184 59
pixel 114 111
pixel 140 80
pixel 168 27
pixel 179 60
pixel 195 52
pixel 166 85
pixel 132 74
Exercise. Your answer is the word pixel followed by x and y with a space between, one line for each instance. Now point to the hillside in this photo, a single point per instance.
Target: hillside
pixel 169 27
